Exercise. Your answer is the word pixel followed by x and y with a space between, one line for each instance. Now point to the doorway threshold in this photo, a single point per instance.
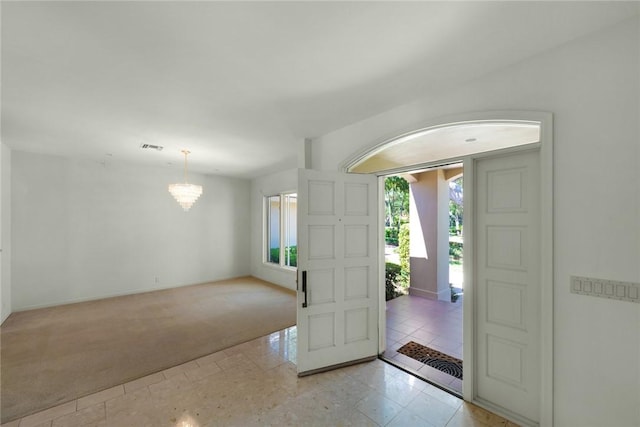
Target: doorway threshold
pixel 421 376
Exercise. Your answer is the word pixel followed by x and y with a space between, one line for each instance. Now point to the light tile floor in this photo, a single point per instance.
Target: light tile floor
pixel 436 324
pixel 255 384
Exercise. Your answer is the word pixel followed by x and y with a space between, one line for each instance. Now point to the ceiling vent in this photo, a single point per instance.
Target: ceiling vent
pixel 151 147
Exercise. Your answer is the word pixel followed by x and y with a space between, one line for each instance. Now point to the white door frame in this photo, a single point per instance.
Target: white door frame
pixel 546 242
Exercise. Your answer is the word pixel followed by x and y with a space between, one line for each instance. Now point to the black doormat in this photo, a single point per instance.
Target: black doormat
pixel 443 362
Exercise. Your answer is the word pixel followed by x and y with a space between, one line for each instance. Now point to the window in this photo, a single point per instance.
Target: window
pixel 281 226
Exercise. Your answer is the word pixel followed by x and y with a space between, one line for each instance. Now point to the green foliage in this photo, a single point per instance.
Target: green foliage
pixel 274 255
pixel 293 255
pixel 396 201
pixel 392 276
pixel 455 251
pixel 403 248
pixel 455 294
pixel 455 207
pixel 397 185
pixel 391 235
pixel 455 218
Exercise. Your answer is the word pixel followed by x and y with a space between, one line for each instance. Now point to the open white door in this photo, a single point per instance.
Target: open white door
pixel 337 269
pixel 507 288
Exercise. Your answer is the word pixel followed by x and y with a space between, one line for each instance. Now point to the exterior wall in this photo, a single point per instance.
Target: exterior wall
pixel 84 230
pixel 444 291
pixel 592 86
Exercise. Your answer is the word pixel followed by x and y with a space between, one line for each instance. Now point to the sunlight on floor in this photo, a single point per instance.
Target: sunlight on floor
pixel 256 384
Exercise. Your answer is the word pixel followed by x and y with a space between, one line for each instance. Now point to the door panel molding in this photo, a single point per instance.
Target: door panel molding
pixel 337 312
pixel 507 372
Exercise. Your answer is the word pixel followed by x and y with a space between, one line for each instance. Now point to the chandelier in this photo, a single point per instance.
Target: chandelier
pixel 186 194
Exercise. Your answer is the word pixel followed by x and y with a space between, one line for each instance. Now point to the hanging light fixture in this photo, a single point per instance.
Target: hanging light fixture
pixel 186 194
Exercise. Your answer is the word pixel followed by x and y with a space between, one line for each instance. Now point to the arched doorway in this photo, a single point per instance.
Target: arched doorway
pixel 470 142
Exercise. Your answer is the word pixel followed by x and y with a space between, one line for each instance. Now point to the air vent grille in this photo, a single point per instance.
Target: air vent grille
pixel 151 147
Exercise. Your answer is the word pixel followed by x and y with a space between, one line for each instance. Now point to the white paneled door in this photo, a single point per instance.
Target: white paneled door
pixel 507 284
pixel 337 269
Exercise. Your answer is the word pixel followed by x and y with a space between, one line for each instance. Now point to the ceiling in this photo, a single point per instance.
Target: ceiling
pixel 447 143
pixel 240 84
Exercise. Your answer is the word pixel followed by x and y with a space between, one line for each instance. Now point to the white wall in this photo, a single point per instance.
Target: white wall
pixel 83 230
pixel 5 232
pixel 269 185
pixel 592 86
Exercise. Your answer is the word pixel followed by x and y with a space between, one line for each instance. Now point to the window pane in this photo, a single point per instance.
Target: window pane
pixel 291 229
pixel 273 229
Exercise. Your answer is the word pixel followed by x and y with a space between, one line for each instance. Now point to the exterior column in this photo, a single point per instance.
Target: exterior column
pixel 429 236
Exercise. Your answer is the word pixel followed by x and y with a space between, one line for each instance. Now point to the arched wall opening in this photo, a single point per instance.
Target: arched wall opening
pixel 444 143
pixel 465 140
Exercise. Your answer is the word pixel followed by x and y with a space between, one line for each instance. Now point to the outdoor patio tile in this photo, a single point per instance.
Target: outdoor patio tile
pixel 441 329
pixel 423 337
pixel 415 322
pixel 448 344
pixel 403 329
pixel 394 335
pixel 398 314
pixel 431 327
pixel 458 352
pixel 446 348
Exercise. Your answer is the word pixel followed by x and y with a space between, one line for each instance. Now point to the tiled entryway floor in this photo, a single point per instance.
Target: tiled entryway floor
pixel 435 324
pixel 255 384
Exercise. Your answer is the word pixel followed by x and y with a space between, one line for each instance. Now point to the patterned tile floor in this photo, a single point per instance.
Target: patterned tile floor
pixel 255 384
pixel 436 324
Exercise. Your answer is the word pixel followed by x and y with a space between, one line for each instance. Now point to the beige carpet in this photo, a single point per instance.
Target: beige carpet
pixel 52 355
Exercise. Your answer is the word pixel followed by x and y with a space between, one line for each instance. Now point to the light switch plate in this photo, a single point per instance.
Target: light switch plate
pixel 612 289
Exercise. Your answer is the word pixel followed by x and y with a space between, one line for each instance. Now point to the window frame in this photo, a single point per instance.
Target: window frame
pixel 283 225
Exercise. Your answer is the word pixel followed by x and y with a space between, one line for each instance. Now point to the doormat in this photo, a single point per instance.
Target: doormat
pixel 443 362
